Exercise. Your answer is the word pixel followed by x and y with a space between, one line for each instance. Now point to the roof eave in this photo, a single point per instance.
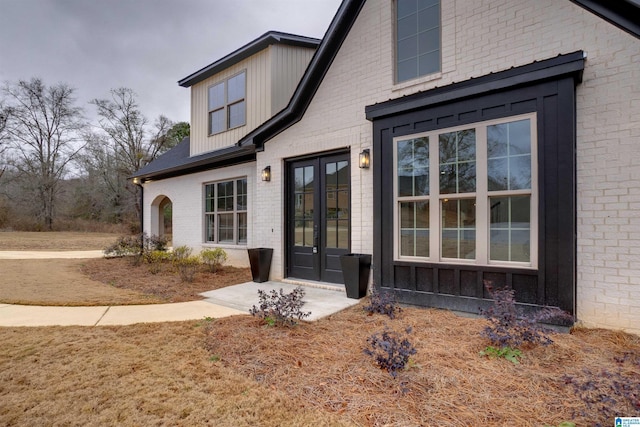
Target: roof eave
pixel 244 52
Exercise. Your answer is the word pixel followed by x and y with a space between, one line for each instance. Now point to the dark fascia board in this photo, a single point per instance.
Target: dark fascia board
pixel 624 14
pixel 312 78
pixel 186 165
pixel 262 42
pixel 569 64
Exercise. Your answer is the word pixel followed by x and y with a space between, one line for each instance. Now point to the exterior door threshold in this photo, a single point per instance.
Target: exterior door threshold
pixel 314 284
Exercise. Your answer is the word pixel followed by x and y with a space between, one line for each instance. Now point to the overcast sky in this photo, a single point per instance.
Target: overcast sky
pixel 146 45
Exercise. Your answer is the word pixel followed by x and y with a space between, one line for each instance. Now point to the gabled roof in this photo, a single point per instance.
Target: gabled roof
pixel 262 42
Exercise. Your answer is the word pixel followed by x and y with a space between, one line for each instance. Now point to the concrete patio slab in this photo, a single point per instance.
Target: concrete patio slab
pixel 321 302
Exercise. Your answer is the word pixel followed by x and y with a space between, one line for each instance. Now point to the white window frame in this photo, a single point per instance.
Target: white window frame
pixel 481 195
pixel 216 214
pixel 226 105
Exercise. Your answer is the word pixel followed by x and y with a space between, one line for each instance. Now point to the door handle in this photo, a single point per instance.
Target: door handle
pixel 315 238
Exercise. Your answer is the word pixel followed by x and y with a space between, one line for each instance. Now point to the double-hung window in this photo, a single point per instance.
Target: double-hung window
pixel 418 42
pixel 226 212
pixel 226 104
pixel 468 194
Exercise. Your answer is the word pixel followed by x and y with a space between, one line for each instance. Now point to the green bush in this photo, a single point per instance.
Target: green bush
pixel 155 259
pixel 187 267
pixel 180 253
pixel 213 258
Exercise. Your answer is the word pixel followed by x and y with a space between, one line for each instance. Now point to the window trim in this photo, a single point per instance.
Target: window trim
pixel 226 105
pixel 481 195
pixel 215 213
pixel 420 78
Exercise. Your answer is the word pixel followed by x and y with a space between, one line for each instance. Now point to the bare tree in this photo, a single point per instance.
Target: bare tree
pixel 132 142
pixel 43 127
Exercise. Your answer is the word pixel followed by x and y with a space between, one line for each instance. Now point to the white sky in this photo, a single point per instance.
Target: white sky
pixel 146 45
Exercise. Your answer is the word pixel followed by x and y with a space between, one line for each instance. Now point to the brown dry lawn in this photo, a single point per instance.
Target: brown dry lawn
pixel 236 372
pixel 54 241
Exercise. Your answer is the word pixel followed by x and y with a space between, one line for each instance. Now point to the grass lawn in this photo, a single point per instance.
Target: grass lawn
pixel 238 372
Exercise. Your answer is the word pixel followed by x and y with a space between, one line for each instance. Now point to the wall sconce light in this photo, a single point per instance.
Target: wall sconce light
pixel 365 159
pixel 266 174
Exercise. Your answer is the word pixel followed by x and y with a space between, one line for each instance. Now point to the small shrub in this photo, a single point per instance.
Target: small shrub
pixel 383 303
pixel 390 350
pixel 155 243
pixel 277 308
pixel 510 328
pixel 155 259
pixel 187 267
pixel 123 246
pixel 180 253
pixel 511 354
pixel 213 258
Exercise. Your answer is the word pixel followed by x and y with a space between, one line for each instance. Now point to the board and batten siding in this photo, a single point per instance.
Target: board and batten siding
pixel 258 102
pixel 272 76
pixel 288 64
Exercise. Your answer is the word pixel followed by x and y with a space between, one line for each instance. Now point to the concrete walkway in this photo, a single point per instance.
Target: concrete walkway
pixel 320 300
pixel 50 254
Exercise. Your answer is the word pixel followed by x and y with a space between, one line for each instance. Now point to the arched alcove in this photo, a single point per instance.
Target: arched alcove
pixel 162 217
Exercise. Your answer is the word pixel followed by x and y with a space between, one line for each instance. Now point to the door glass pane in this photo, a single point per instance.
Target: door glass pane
pixel 308 233
pixel 332 234
pixel 298 233
pixel 510 234
pixel 457 161
pixel 343 175
pixel 458 228
pixel 331 176
pixel 343 234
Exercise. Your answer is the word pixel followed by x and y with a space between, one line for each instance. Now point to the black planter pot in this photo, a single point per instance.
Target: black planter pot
pixel 355 270
pixel 260 261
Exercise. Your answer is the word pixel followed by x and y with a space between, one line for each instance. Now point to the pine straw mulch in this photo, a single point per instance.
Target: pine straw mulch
pixel 322 365
pixel 164 284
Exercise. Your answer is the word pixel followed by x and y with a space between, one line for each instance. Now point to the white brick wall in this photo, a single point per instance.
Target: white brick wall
pixel 480 37
pixel 187 196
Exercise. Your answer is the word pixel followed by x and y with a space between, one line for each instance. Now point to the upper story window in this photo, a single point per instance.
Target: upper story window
pixel 227 106
pixel 418 41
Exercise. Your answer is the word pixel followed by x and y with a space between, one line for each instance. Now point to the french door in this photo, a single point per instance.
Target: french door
pixel 318 217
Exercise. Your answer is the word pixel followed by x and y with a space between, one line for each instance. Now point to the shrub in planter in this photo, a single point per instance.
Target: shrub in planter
pixel 213 258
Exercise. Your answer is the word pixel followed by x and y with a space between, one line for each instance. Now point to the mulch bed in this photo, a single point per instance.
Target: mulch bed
pixel 448 383
pixel 166 283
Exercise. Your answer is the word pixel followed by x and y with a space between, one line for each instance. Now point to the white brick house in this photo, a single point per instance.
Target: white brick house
pixel 504 140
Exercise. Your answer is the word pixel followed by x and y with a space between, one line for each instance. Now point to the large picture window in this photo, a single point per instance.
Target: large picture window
pixel 226 104
pixel 468 194
pixel 226 212
pixel 417 38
